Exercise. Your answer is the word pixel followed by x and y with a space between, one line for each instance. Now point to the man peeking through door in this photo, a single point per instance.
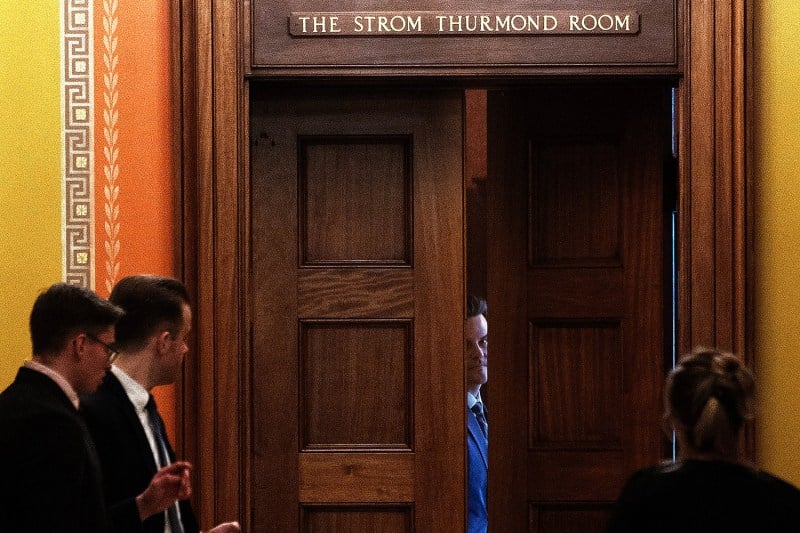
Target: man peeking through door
pixel 476 350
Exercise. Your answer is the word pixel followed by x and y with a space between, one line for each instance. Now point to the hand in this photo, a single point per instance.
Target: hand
pixel 168 484
pixel 186 482
pixel 227 527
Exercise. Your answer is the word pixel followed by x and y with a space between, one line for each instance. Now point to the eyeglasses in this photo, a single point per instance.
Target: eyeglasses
pixel 111 352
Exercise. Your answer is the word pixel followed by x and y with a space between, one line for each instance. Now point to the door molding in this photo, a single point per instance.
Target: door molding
pixel 210 91
pixel 210 125
pixel 715 182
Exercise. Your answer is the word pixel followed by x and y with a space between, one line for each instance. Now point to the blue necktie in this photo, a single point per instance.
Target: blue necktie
pixel 160 437
pixel 477 408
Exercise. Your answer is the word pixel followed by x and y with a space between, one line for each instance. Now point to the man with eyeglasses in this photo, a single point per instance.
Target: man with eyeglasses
pixel 122 417
pixel 50 479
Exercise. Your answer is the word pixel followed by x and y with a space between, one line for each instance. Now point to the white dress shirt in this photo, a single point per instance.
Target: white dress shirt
pixel 139 396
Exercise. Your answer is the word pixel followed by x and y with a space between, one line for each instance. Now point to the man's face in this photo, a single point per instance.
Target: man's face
pixel 96 362
pixel 476 351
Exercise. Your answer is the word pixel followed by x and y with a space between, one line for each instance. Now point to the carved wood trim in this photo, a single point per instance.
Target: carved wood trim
pixel 715 206
pixel 212 124
pixel 713 187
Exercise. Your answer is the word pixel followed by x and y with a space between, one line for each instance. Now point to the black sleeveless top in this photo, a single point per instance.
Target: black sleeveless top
pixel 707 497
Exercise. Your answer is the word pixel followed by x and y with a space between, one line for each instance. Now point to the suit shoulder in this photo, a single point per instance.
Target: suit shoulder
pixel 105 399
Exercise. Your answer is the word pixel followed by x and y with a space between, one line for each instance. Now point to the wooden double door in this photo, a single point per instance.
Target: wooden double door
pixel 357 412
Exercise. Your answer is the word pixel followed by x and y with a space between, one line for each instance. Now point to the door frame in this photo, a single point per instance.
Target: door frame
pixel 210 125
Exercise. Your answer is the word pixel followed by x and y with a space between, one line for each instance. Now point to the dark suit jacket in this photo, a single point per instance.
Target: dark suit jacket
pixel 125 456
pixel 478 473
pixel 49 474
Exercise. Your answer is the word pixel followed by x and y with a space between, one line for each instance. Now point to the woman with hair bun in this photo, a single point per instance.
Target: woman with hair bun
pixel 708 398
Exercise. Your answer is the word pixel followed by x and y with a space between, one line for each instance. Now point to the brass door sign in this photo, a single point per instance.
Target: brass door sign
pixel 442 24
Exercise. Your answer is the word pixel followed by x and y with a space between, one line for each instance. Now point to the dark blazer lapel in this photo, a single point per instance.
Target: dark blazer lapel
pixel 120 398
pixel 117 394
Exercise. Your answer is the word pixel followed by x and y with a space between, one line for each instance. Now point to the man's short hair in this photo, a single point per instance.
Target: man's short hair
pixel 476 306
pixel 150 303
pixel 64 309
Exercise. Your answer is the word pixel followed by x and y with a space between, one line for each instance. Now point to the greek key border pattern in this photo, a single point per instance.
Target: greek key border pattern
pixel 77 115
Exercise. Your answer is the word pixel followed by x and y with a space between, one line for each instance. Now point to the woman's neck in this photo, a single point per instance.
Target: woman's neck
pixel 690 453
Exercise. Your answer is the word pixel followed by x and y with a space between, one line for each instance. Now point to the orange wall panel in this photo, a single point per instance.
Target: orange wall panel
pixel 134 190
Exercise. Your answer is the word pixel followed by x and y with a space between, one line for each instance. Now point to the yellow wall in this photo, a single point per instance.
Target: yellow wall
pixel 777 227
pixel 132 216
pixel 30 169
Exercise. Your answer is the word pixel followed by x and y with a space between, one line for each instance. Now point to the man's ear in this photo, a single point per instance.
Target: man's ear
pixel 162 342
pixel 79 346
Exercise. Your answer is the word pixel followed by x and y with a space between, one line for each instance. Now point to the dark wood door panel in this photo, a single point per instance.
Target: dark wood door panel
pixel 578 475
pixel 568 292
pixel 357 519
pixel 370 361
pixel 562 518
pixel 355 199
pixel 354 293
pixel 357 407
pixel 577 292
pixel 356 477
pixel 575 386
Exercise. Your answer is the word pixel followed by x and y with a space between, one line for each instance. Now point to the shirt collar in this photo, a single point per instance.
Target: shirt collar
pixel 472 400
pixel 137 394
pixel 60 380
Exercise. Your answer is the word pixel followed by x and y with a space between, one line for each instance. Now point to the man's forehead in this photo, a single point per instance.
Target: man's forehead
pixel 475 325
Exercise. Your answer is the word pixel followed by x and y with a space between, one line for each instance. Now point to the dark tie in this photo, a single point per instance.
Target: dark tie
pixel 478 410
pixel 160 437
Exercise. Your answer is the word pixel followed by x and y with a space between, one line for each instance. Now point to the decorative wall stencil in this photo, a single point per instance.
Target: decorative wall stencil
pixel 111 146
pixel 77 142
